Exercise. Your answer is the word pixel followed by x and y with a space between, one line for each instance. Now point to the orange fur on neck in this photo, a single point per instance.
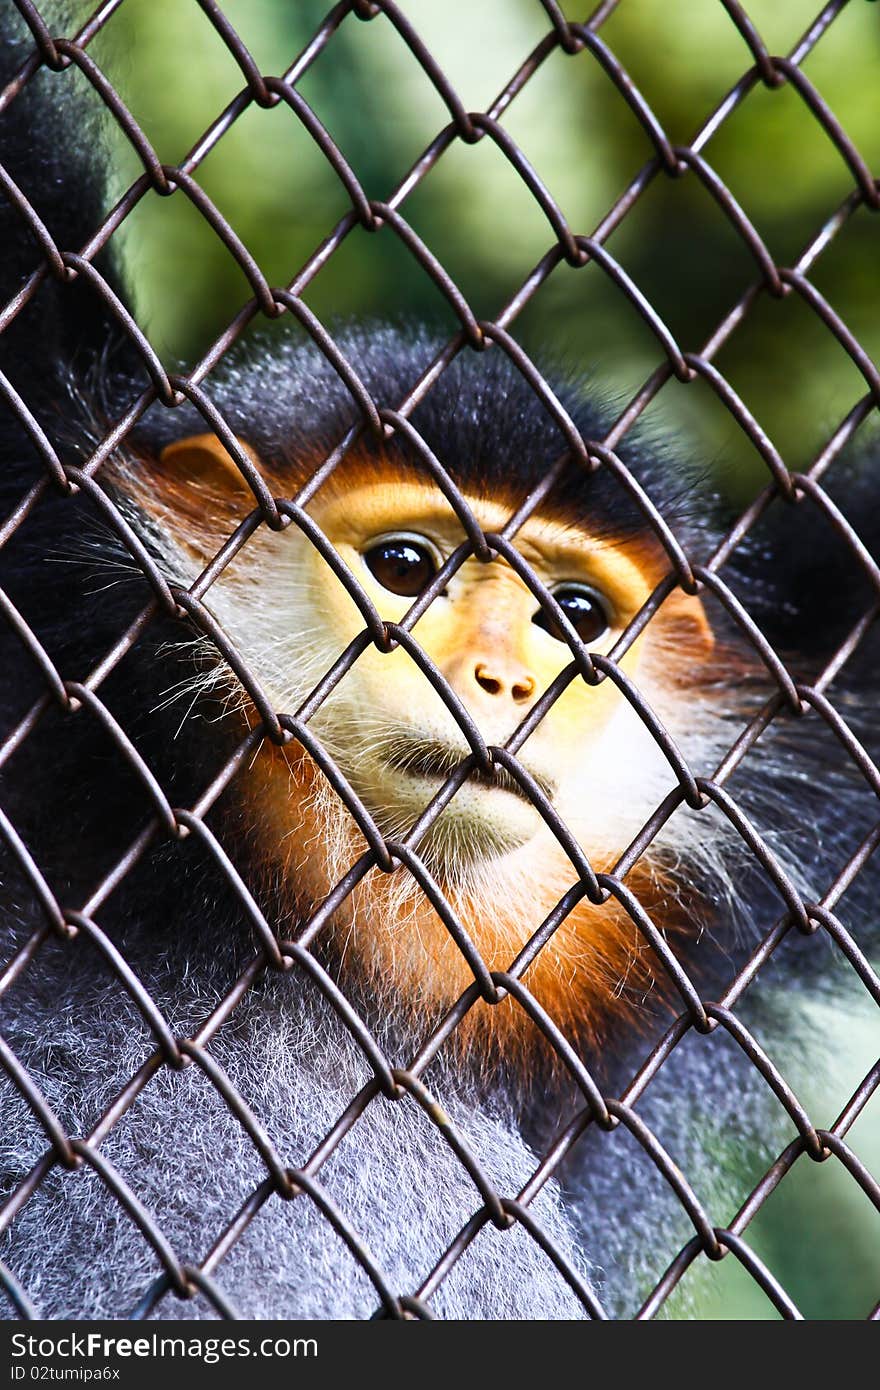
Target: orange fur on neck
pixel 594 974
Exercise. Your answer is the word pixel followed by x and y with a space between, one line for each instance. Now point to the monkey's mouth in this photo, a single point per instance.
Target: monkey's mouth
pixel 437 760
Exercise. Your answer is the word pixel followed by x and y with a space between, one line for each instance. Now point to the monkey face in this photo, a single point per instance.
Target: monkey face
pixel 494 650
pixel 392 731
pixel 491 642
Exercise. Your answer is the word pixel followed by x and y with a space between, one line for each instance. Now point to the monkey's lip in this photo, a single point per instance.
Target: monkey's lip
pixel 437 760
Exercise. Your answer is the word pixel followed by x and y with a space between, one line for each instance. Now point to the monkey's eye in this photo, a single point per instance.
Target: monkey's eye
pixel 584 609
pixel 403 564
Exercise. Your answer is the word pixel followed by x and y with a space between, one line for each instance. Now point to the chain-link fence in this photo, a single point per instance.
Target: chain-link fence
pixel 698 790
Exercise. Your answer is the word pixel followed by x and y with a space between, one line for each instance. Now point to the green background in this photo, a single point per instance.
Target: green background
pixel 818 1232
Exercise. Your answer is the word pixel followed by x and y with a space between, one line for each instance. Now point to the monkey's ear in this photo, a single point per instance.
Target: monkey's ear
pixel 202 460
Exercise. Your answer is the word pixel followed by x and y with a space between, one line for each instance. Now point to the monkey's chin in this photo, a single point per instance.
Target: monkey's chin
pixel 480 823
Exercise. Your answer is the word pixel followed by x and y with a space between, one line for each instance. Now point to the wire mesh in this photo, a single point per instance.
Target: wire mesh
pixel 697 789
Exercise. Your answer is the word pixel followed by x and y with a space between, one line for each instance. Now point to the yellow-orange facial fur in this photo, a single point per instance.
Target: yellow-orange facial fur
pixel 496 861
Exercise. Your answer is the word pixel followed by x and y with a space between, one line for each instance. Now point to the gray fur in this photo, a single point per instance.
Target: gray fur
pixel 188 1160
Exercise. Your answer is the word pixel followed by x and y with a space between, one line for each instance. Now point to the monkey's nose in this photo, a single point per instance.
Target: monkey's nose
pixel 496 680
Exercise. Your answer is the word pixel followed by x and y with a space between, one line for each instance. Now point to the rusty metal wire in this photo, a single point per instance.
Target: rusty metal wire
pixel 81 700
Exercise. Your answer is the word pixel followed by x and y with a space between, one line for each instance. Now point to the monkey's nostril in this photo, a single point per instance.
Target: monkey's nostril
pixel 484 678
pixel 520 689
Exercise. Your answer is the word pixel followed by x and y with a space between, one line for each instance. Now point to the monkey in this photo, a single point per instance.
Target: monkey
pixel 342 678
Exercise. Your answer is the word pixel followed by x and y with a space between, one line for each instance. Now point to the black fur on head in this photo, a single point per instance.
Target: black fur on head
pixel 483 420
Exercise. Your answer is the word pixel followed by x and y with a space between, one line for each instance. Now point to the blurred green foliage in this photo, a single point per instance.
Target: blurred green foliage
pixel 268 177
pixel 817 1232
